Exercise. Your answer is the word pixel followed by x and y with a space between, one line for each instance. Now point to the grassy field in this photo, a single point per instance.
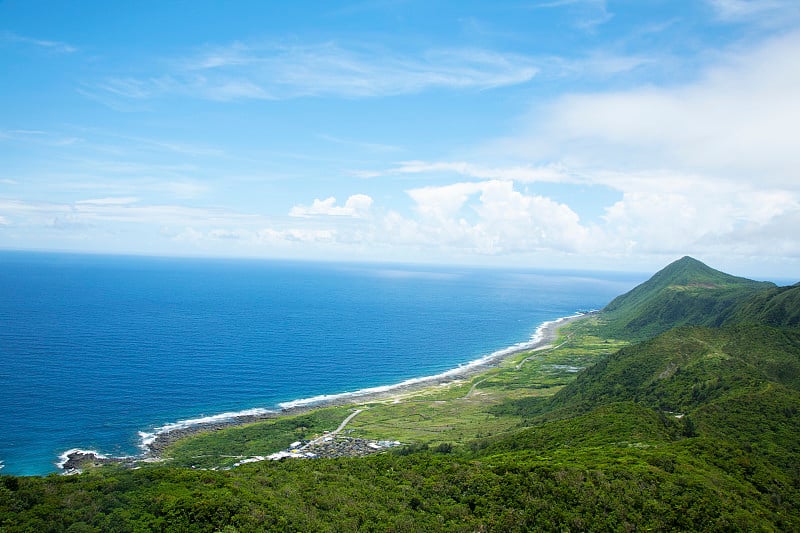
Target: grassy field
pixel 451 414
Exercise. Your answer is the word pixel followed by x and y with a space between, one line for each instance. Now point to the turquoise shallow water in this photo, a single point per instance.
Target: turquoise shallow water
pixel 96 350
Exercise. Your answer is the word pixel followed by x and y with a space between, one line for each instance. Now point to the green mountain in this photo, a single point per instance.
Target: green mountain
pixel 686 292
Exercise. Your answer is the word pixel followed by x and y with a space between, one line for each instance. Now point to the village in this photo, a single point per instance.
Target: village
pixel 329 445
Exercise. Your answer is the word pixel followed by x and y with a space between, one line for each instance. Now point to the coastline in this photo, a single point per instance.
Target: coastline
pixel 153 443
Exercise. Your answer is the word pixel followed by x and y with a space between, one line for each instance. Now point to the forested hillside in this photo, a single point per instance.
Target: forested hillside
pixel 778 306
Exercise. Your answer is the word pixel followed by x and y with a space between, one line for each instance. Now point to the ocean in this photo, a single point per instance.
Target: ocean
pixel 101 352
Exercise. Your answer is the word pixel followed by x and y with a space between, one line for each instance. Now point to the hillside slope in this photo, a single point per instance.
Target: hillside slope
pixel 687 367
pixel 719 407
pixel 778 306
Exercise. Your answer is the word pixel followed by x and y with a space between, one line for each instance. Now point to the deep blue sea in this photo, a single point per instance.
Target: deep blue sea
pixel 96 350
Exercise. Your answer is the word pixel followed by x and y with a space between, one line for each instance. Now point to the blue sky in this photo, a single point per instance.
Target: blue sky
pixel 563 133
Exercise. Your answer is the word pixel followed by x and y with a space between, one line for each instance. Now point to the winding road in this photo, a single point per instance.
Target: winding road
pixel 335 431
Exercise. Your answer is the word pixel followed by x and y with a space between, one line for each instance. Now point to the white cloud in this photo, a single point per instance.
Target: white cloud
pixel 240 71
pixel 737 121
pixel 660 212
pixel 707 166
pixel 365 174
pixel 522 223
pixel 552 173
pixel 597 64
pixel 663 222
pixel 39 137
pixel 443 202
pixel 357 206
pixel 170 228
pixel 710 165
pixel 110 201
pixel 675 215
pixel 26 208
pixel 491 217
pixel 55 46
pixel 750 11
pixel 257 239
pixel 487 218
pixel 187 235
pixel 131 87
pixel 230 89
pixel 763 207
pixel 309 236
pixel 591 13
pixel 119 211
pixel 461 219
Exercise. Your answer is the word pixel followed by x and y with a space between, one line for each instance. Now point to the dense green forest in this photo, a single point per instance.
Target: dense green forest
pixel 692 425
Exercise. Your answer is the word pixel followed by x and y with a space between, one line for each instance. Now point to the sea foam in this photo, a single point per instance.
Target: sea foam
pixel 64 457
pixel 146 438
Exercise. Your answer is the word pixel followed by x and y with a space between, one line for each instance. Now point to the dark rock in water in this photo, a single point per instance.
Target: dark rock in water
pixel 77 460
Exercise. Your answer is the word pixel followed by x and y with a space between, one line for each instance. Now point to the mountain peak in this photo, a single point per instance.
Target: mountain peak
pixel 689 272
pixel 686 291
pixel 689 260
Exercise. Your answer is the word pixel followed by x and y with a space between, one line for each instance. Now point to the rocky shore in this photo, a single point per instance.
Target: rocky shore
pixel 76 460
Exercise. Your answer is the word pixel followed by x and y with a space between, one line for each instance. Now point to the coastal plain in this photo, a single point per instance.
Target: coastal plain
pixel 439 413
